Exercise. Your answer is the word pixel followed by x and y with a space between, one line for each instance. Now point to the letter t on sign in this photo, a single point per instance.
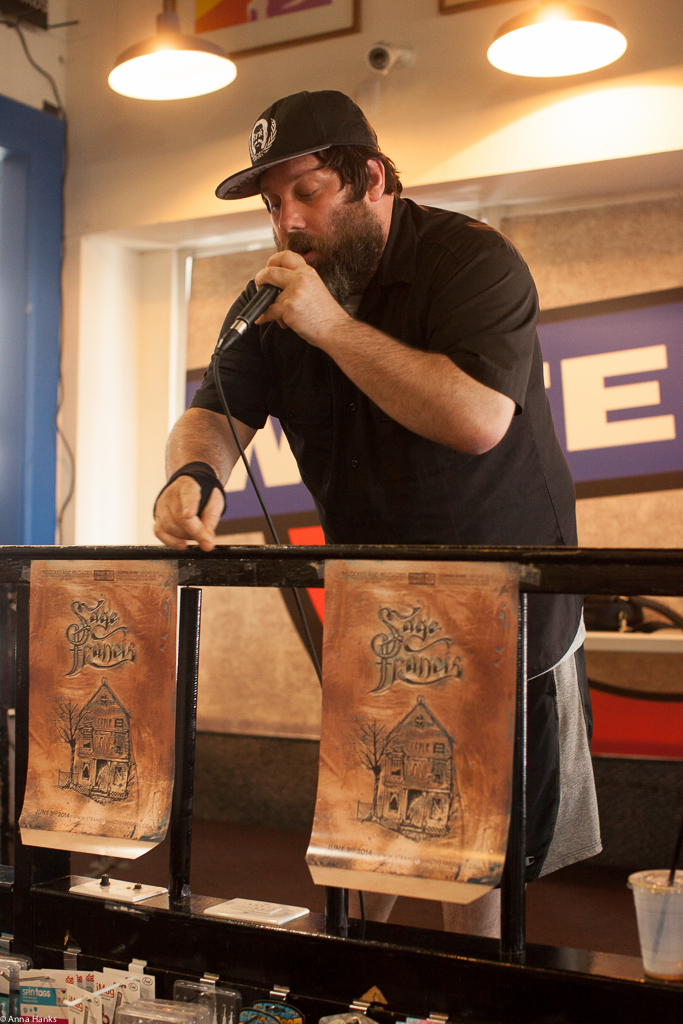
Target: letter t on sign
pixel 587 400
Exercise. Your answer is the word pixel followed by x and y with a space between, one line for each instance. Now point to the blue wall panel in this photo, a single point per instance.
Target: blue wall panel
pixel 30 297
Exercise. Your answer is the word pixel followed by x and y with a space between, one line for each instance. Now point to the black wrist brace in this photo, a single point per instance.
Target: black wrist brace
pixel 205 477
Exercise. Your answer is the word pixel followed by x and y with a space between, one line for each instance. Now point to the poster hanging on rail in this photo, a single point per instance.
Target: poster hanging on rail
pixel 102 672
pixel 419 676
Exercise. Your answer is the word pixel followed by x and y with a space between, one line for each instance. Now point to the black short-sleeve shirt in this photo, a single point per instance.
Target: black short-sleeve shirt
pixel 447 284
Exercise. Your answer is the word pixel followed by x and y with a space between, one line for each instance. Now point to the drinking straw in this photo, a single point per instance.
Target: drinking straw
pixel 676 856
pixel 670 881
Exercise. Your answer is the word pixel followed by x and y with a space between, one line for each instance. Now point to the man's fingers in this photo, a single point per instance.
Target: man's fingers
pixel 180 500
pixel 286 258
pixel 279 276
pixel 176 520
pixel 179 543
pixel 177 503
pixel 176 535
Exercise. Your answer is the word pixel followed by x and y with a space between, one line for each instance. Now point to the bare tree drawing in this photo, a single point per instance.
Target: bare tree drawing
pixel 67 719
pixel 371 748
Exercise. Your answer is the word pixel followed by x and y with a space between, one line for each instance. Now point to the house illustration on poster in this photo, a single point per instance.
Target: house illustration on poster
pixel 102 763
pixel 415 776
pixel 417 781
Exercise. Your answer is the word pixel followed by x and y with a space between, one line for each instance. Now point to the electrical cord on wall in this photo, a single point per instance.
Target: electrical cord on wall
pixel 313 654
pixel 10 23
pixel 61 113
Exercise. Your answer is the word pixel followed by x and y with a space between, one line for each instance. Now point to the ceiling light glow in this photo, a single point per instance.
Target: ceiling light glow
pixel 171 66
pixel 551 42
pixel 171 75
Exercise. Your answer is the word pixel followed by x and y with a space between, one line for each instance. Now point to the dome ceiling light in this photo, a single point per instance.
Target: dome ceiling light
pixel 556 39
pixel 171 66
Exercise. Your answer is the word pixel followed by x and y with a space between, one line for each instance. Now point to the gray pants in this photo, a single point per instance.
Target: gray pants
pixel 576 834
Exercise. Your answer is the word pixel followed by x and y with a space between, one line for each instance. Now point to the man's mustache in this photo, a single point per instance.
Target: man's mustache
pixel 300 243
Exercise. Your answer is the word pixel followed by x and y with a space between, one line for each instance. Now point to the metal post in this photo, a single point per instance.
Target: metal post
pixel 185 735
pixel 8 646
pixel 513 887
pixel 32 864
pixel 337 911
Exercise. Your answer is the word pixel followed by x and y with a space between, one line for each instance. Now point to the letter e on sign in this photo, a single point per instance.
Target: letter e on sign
pixel 587 399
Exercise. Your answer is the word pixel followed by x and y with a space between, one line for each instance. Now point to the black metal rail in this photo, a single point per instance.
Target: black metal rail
pixel 550 569
pixel 185 734
pixel 324 961
pixel 513 885
pixel 8 671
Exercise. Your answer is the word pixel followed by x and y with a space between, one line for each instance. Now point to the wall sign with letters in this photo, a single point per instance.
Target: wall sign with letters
pixel 614 378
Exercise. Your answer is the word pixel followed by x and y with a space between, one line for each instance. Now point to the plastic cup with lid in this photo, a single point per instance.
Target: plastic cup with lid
pixel 659 910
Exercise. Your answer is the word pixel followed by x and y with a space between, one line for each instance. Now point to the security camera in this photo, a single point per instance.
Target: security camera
pixel 385 57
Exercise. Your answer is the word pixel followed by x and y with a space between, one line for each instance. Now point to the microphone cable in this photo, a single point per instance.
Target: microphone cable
pixel 250 314
pixel 246 319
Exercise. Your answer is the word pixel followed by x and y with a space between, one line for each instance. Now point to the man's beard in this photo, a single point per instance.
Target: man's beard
pixel 348 255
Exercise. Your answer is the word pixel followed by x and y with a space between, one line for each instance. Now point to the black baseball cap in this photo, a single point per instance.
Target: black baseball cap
pixel 297 125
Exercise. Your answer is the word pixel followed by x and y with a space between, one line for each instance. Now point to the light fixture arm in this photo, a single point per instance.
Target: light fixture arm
pixel 168 20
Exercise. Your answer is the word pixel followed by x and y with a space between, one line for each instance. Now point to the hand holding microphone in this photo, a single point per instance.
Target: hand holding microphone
pixel 310 310
pixel 266 294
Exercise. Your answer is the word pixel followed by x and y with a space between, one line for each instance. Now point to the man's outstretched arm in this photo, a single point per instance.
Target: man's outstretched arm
pixel 199 436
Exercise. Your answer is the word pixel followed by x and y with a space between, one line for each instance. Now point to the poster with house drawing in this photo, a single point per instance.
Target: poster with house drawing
pixel 102 664
pixel 419 672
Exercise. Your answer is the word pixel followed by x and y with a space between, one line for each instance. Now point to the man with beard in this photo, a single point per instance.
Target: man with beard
pixel 402 361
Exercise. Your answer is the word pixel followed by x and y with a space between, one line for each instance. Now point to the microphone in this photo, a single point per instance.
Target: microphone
pixel 248 317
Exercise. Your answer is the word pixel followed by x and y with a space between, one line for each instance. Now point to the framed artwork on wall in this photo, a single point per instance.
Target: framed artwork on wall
pixel 32 12
pixel 243 27
pixel 456 6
